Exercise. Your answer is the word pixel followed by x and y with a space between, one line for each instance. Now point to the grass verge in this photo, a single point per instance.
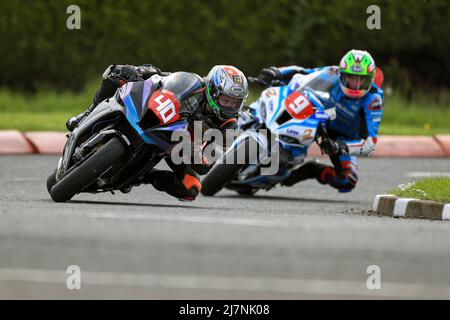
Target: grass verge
pixel 48 110
pixel 34 121
pixel 436 189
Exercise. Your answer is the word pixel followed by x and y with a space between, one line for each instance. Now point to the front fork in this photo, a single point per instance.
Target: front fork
pixel 79 153
pixel 262 149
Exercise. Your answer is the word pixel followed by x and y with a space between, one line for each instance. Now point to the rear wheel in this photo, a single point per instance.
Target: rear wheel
pixel 247 192
pixel 88 171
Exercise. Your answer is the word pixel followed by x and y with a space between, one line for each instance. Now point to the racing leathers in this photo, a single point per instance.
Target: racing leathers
pixel 353 131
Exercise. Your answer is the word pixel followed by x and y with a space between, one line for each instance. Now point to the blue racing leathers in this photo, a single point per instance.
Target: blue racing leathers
pixel 355 126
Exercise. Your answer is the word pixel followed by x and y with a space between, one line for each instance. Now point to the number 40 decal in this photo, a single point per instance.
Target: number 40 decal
pixel 164 106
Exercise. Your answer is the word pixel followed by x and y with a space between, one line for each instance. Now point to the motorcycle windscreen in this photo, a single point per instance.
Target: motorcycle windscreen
pixel 187 88
pixel 323 80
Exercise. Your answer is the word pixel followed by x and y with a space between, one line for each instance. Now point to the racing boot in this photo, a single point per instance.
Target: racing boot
pixel 309 170
pixel 167 181
pixel 107 90
pixel 73 122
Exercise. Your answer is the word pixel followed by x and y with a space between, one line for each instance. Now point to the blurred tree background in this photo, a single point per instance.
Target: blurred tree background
pixel 37 50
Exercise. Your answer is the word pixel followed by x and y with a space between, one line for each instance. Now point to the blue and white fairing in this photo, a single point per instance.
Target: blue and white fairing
pixel 294 134
pixel 292 113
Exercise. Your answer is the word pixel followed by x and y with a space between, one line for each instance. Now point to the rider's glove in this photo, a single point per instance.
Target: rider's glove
pixel 119 75
pixel 149 70
pixel 269 75
pixel 129 74
pixel 333 148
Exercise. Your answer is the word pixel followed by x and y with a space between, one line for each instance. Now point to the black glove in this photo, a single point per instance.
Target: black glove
pixel 130 74
pixel 333 148
pixel 269 74
pixel 149 70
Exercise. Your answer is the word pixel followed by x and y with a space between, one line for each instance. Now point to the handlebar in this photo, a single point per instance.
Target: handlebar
pixel 264 83
pixel 256 81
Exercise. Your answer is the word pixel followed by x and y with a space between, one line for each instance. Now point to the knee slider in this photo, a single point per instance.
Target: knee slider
pixel 192 185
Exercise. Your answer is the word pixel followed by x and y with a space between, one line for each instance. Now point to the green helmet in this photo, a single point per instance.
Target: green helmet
pixel 356 73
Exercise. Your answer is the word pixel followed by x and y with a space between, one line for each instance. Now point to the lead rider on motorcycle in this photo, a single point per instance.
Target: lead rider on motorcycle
pixel 358 99
pixel 222 94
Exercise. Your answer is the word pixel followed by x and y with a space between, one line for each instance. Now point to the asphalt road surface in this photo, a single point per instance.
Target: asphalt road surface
pixel 307 241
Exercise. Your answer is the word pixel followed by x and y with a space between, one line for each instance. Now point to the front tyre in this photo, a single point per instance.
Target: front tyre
pixel 222 173
pixel 51 181
pixel 218 177
pixel 88 171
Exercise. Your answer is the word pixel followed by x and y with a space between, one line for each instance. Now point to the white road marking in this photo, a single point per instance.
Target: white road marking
pixel 250 284
pixel 284 222
pixel 400 206
pixel 191 219
pixel 21 179
pixel 428 174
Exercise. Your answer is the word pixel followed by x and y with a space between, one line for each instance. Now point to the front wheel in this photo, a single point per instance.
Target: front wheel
pixel 218 177
pixel 88 171
pixel 224 172
pixel 51 181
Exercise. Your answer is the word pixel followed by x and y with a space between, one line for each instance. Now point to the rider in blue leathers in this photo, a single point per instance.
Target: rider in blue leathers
pixel 358 102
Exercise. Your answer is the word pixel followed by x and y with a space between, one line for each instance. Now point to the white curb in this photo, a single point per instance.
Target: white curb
pixel 446 212
pixel 399 208
pixel 377 200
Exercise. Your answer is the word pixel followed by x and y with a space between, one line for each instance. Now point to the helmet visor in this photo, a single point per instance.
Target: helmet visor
pixel 229 106
pixel 356 82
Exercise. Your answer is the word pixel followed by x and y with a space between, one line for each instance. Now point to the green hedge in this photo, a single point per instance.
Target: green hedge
pixel 37 50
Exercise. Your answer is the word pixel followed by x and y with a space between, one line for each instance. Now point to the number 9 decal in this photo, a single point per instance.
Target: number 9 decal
pixel 299 106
